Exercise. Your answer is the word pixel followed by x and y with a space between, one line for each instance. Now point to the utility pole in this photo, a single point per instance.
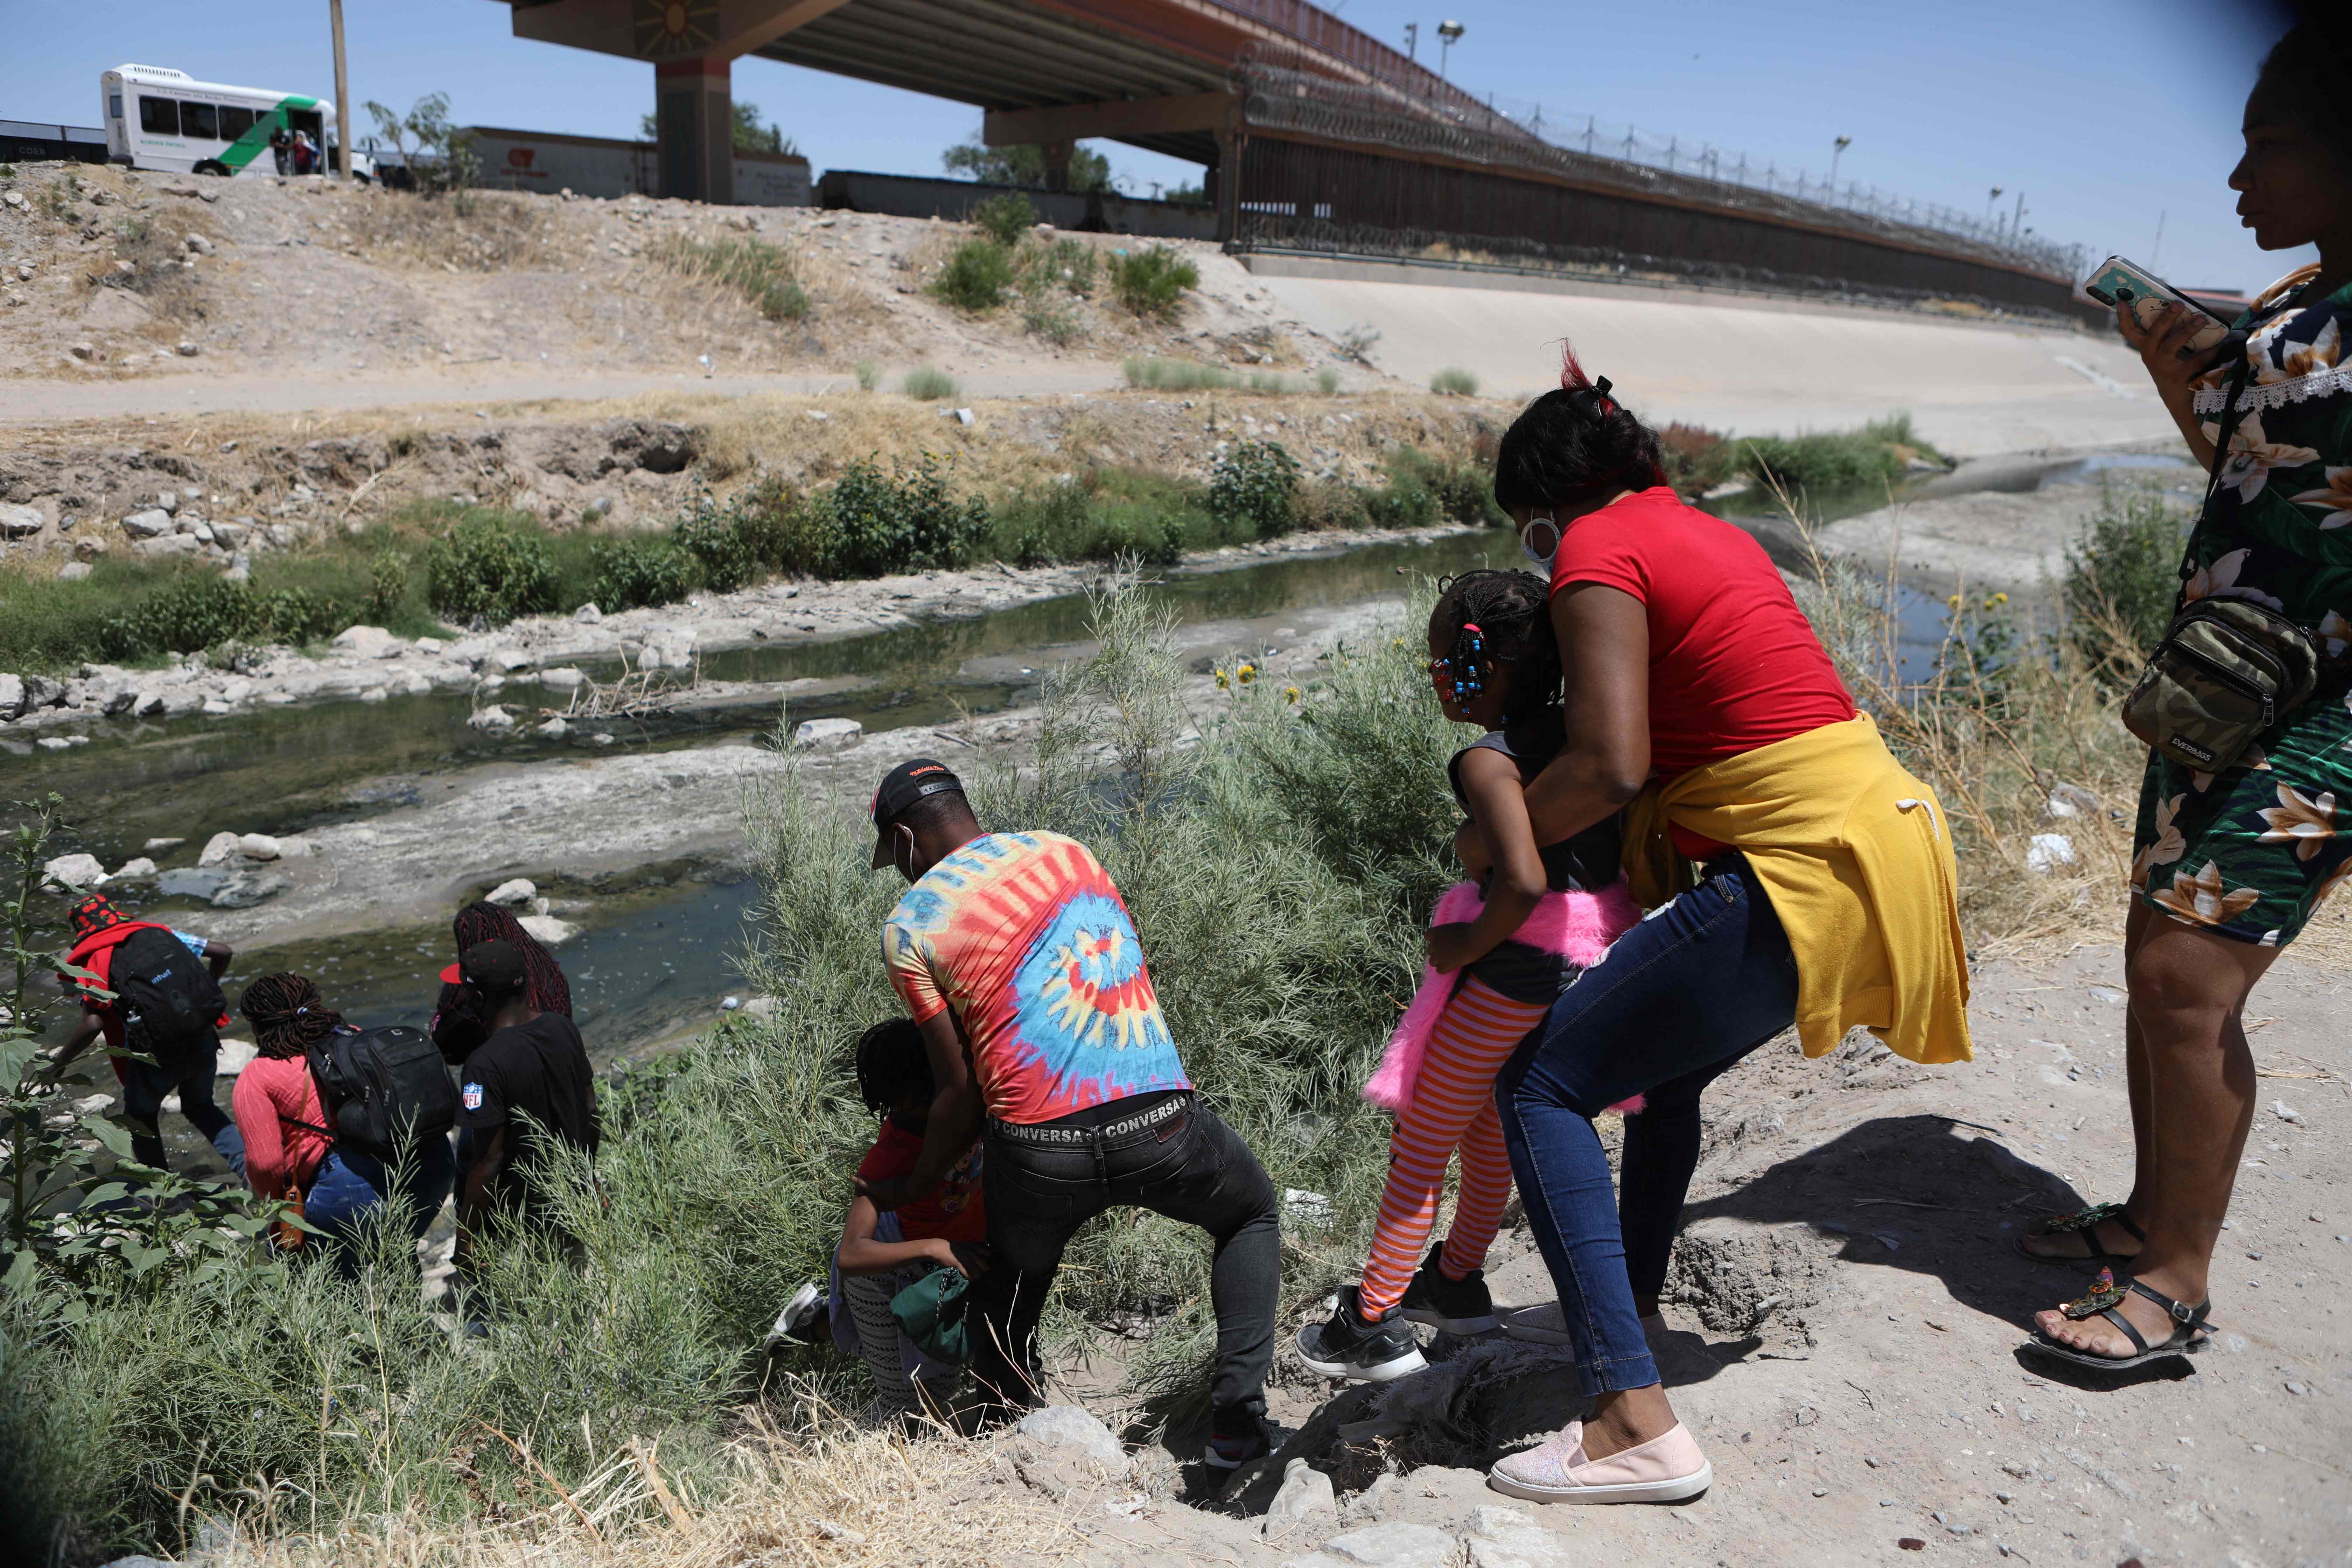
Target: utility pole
pixel 1412 39
pixel 344 121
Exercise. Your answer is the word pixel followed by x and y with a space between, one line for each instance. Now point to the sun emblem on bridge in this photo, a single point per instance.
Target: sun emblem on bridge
pixel 676 26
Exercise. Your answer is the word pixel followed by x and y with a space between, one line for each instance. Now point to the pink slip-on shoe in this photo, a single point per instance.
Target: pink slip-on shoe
pixel 1667 1468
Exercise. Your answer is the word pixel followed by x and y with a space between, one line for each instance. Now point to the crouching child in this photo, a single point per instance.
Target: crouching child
pixel 883 1253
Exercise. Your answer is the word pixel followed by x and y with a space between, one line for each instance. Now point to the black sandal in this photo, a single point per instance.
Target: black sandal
pixel 2085 1223
pixel 2187 1337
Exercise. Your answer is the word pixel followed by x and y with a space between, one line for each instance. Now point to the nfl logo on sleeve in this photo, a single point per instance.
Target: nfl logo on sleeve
pixel 473 1097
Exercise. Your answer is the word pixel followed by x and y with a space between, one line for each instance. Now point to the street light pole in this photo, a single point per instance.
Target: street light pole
pixel 1990 197
pixel 1448 32
pixel 1837 150
pixel 1412 41
pixel 344 121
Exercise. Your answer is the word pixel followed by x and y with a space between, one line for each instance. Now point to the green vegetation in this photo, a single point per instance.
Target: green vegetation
pixel 869 372
pixel 1005 219
pixel 1874 456
pixel 1151 282
pixel 760 270
pixel 2123 578
pixel 1453 384
pixel 486 571
pixel 1025 166
pixel 1054 324
pixel 927 383
pixel 437 158
pixel 1327 381
pixel 976 277
pixel 1191 375
pixel 1255 486
pixel 1275 871
pixel 434 564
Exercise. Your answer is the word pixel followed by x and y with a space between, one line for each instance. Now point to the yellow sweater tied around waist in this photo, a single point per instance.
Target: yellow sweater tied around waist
pixel 1856 857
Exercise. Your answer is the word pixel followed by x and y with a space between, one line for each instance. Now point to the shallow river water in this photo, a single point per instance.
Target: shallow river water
pixel 664 953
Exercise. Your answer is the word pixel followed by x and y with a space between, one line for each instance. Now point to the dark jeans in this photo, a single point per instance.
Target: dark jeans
pixel 143 1092
pixel 350 1188
pixel 1191 1168
pixel 1692 989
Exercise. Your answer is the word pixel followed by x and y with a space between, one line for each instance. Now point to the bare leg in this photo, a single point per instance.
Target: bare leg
pixel 2070 1245
pixel 2188 990
pixel 1627 1419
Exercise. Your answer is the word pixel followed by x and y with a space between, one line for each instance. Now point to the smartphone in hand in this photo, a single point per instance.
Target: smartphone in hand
pixel 2116 281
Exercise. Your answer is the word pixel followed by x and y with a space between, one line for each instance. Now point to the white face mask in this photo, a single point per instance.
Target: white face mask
pixel 1540 539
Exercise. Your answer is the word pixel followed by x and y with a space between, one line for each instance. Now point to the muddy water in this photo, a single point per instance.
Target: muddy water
pixel 664 951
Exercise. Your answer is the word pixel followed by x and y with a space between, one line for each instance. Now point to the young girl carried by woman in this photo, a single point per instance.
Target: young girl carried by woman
pixel 1500 951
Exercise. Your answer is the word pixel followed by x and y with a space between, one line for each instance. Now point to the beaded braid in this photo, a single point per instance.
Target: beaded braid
pixel 1504 616
pixel 288 1014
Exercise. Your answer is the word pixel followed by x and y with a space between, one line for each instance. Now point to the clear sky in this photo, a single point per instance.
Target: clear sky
pixel 2106 118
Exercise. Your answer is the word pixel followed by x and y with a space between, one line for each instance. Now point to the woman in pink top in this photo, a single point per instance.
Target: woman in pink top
pixel 291 1149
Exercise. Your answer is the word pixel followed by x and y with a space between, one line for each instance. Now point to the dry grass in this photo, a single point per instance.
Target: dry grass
pixel 490 231
pixel 835 1497
pixel 2007 715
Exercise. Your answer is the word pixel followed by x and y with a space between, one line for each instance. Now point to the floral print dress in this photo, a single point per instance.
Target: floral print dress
pixel 2249 853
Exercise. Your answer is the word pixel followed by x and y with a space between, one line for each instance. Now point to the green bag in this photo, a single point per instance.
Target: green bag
pixel 2226 671
pixel 931 1313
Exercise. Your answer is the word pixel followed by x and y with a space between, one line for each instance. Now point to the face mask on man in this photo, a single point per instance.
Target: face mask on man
pixel 1540 539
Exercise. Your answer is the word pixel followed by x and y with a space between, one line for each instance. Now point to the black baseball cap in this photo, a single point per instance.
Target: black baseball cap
pixel 495 967
pixel 902 787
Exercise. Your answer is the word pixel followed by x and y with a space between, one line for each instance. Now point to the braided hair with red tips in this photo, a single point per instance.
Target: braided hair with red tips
pixel 288 1014
pixel 480 921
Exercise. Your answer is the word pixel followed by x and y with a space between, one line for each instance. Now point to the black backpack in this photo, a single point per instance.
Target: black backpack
pixel 167 997
pixel 384 1089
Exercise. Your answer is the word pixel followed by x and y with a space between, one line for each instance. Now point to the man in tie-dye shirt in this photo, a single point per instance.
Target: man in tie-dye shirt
pixel 1018 959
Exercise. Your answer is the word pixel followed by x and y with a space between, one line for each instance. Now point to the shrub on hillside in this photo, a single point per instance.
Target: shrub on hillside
pixel 976 276
pixel 929 383
pixel 1255 486
pixel 486 571
pixel 1698 458
pixel 760 270
pixel 1151 282
pixel 2122 577
pixel 1004 218
pixel 1453 384
pixel 904 520
pixel 203 611
pixel 634 573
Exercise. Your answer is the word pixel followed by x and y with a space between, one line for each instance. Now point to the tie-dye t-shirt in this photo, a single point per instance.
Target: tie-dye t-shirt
pixel 1025 937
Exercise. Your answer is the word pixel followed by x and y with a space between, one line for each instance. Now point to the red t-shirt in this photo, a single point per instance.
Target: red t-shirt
pixel 1734 664
pixel 952 1209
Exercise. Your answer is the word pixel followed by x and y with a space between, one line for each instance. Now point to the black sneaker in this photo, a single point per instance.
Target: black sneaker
pixel 1359 1352
pixel 1234 1440
pixel 1453 1306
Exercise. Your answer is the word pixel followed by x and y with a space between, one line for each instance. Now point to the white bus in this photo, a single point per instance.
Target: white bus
pixel 166 119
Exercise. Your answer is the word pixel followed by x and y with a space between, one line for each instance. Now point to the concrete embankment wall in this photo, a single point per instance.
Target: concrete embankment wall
pixel 1105 211
pixel 1744 365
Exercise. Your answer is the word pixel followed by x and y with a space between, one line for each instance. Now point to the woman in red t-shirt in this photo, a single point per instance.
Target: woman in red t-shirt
pixel 1682 648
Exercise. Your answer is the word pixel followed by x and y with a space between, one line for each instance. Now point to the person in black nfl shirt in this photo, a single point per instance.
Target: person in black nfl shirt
pixel 528 1084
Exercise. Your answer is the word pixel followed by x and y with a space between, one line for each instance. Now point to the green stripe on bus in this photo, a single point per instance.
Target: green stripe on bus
pixel 249 146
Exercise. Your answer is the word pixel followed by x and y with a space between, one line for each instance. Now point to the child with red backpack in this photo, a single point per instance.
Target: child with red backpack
pixel 165 1005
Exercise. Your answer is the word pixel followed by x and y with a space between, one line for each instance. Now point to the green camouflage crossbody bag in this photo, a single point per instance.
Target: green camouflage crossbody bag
pixel 2225 671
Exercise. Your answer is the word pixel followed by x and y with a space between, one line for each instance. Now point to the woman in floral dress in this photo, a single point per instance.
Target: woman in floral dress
pixel 2230 866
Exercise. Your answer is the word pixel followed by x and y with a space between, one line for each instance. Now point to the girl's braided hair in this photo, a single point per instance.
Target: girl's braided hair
pixel 1510 611
pixel 893 1065
pixel 288 1014
pixel 479 923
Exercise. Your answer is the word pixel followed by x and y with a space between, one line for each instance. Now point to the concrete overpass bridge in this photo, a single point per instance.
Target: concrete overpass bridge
pixel 1156 74
pixel 1316 136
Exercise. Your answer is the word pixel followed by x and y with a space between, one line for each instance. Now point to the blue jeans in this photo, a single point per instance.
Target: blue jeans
pixel 1698 984
pixel 144 1089
pixel 348 1187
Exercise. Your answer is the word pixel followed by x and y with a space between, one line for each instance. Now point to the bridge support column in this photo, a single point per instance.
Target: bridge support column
pixel 1057 163
pixel 693 111
pixel 1224 183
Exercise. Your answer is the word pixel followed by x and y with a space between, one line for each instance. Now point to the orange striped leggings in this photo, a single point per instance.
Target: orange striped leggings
pixel 1453 1106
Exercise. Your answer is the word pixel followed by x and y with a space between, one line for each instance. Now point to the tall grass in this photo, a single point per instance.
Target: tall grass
pixel 1453 384
pixel 760 270
pixel 927 383
pixel 1191 375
